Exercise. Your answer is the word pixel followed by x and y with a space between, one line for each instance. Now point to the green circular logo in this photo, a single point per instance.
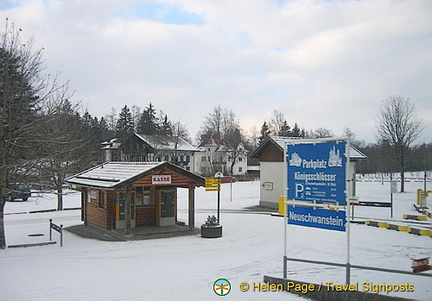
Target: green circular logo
pixel 222 287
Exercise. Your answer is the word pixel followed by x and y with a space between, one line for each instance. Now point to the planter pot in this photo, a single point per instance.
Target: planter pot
pixel 211 232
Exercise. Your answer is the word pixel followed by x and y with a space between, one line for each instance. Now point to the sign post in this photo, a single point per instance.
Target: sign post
pixel 213 184
pixel 218 176
pixel 393 189
pixel 317 187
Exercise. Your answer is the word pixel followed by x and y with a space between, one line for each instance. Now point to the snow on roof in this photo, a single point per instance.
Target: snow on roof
pixel 112 174
pixel 111 144
pixel 167 143
pixel 354 152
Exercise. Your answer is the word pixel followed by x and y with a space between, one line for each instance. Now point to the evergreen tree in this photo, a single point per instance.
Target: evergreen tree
pixel 165 128
pixel 103 125
pixel 148 123
pixel 265 132
pixel 284 130
pixel 87 120
pixel 296 132
pixel 124 123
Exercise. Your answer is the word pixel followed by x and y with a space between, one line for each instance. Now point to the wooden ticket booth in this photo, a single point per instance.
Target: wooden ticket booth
pixel 119 195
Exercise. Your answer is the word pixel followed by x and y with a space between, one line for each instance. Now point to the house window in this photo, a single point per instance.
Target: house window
pixel 187 158
pixel 240 169
pixel 181 158
pixel 143 196
pixel 203 159
pixel 102 199
pixel 240 158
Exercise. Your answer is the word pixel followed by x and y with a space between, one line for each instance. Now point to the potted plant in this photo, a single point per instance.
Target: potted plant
pixel 211 228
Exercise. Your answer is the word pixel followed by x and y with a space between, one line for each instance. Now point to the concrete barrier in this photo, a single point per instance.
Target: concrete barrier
pixel 415 231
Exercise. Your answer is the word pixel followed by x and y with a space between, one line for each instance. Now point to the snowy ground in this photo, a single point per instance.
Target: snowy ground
pixel 185 268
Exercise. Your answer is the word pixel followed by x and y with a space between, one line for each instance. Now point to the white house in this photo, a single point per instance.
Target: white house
pixel 215 156
pixel 270 153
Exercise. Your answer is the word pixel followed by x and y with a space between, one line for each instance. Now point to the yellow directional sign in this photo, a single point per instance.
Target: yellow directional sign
pixel 212 184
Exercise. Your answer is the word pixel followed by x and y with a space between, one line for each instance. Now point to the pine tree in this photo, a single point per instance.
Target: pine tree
pixel 124 123
pixel 284 130
pixel 148 123
pixel 265 132
pixel 165 128
pixel 296 132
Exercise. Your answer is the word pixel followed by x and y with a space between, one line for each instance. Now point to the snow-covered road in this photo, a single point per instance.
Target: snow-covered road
pixel 185 268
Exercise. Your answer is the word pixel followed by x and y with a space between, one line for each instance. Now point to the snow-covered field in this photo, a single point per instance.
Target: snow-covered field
pixel 185 268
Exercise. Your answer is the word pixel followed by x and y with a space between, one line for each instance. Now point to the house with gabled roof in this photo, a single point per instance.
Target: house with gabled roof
pixel 270 154
pixel 150 148
pixel 217 156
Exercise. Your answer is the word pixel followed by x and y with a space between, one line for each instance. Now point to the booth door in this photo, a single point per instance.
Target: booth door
pixel 167 205
pixel 121 209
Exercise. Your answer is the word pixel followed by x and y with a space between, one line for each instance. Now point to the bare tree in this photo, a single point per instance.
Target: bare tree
pixel 213 123
pixel 111 119
pixel 277 122
pixel 399 126
pixel 136 115
pixel 320 133
pixel 180 130
pixel 222 125
pixel 22 91
pixel 65 147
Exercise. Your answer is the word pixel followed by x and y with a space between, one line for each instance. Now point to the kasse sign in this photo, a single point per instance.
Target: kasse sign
pixel 161 179
pixel 317 172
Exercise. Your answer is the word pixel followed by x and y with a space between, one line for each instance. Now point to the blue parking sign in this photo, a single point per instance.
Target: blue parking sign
pixel 317 172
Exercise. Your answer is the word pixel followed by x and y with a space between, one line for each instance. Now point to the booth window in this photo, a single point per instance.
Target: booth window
pixel 102 199
pixel 143 196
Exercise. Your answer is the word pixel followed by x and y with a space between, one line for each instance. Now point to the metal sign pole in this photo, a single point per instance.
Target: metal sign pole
pixel 285 194
pixel 391 195
pixel 348 204
pixel 218 207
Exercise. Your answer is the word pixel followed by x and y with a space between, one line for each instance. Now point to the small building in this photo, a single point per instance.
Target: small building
pixel 270 154
pixel 120 195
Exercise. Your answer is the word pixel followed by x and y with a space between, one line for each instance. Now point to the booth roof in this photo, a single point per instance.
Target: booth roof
pixel 111 175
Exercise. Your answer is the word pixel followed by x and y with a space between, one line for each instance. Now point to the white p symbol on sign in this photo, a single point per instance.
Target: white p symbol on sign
pixel 299 188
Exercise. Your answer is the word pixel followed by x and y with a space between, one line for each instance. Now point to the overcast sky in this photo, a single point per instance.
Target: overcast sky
pixel 321 63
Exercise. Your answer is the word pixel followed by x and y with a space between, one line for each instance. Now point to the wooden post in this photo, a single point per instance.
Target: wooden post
pixel 127 211
pixel 61 235
pixel 191 206
pixel 50 229
pixel 84 206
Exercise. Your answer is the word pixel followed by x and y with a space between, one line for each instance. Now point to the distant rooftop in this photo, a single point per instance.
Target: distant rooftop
pixel 167 143
pixel 280 141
